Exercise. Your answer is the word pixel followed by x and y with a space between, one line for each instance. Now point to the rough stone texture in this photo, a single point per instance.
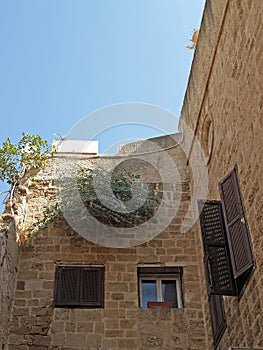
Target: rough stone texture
pixel 8 269
pixel 8 265
pixel 228 89
pixel 225 87
pixel 121 324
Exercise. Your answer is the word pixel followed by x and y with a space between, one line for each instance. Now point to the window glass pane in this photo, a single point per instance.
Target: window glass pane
pixel 149 292
pixel 169 292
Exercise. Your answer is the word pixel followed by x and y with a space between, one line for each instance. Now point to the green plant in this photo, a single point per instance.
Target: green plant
pixel 145 200
pixel 17 159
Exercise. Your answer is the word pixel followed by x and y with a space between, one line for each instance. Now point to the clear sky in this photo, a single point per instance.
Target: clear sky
pixel 60 60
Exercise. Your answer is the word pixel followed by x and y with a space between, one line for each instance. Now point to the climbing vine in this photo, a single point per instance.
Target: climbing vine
pixel 120 188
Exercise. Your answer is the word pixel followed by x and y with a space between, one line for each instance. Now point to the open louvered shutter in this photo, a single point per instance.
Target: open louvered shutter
pixel 236 225
pixel 218 319
pixel 216 256
pixel 92 286
pixel 67 283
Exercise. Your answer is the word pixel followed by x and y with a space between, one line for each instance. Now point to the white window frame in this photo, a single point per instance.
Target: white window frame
pixel 159 278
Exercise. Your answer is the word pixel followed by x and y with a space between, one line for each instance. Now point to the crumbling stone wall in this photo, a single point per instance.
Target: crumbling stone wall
pixel 8 269
pixel 9 256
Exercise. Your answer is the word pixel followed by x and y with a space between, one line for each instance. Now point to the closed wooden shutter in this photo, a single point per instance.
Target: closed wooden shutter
pixel 67 286
pixel 79 286
pixel 218 319
pixel 92 286
pixel 216 255
pixel 236 224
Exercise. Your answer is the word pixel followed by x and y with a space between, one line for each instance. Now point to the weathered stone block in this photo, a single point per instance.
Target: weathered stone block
pixel 114 333
pixel 87 327
pixel 58 339
pixel 75 340
pixel 128 343
pixel 41 340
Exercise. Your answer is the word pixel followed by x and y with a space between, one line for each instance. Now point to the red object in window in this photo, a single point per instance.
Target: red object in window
pixel 160 304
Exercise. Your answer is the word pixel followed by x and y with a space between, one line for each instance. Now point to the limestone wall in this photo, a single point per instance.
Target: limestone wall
pixel 223 108
pixel 121 324
pixel 8 269
pixel 227 90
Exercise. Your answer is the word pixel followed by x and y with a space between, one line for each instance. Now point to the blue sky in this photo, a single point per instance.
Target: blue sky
pixel 62 60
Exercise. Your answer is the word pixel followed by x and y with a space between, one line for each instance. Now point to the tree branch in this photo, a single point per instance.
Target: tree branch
pixel 11 198
pixel 4 191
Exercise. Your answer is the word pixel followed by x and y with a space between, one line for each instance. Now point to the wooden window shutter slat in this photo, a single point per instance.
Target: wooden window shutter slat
pixel 216 255
pixel 218 319
pixel 67 286
pixel 79 286
pixel 236 225
pixel 91 290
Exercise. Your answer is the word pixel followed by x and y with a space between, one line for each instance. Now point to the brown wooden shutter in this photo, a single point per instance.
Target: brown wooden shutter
pixel 79 286
pixel 236 224
pixel 216 256
pixel 92 286
pixel 218 319
pixel 67 286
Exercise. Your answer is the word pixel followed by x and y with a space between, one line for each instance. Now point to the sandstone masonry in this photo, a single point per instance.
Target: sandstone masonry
pixel 223 110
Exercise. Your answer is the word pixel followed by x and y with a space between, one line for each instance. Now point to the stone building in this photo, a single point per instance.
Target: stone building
pixel 44 303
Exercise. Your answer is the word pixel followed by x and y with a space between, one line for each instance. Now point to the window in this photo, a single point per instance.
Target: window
pixel 226 241
pixel 79 286
pixel 159 285
pixel 228 257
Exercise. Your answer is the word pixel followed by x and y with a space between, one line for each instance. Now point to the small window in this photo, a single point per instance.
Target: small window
pixel 79 286
pixel 159 286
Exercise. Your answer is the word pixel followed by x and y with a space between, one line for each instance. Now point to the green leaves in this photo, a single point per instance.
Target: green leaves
pixel 90 182
pixel 33 150
pixel 9 162
pixel 144 200
pixel 30 152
